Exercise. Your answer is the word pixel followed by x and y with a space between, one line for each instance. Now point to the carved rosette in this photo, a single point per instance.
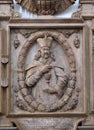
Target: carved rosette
pixel 36 106
pixel 45 7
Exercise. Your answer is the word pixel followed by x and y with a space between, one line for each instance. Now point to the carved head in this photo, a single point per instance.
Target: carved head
pixel 45 45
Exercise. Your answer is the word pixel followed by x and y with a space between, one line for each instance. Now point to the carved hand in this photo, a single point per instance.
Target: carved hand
pixel 46 68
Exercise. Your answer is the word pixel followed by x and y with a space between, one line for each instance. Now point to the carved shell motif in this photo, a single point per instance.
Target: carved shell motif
pixel 45 7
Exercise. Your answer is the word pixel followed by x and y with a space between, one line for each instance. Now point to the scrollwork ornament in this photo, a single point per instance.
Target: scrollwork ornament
pixel 16 41
pixel 14 14
pixel 77 41
pixel 4 59
pixel 45 7
pixel 68 32
pixel 44 39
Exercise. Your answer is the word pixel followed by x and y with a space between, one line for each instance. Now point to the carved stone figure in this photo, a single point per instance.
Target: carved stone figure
pixel 44 84
pixel 45 7
pixel 46 78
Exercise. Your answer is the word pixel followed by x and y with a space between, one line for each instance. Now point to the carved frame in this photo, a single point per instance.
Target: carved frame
pixel 58 25
pixel 91 70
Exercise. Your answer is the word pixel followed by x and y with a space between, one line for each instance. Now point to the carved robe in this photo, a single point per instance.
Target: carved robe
pixel 37 81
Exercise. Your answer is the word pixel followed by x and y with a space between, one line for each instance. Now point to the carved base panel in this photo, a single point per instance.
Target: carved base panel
pixel 49 123
pixel 46 71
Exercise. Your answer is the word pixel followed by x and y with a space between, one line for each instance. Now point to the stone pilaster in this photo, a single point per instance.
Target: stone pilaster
pixel 87 9
pixel 5 8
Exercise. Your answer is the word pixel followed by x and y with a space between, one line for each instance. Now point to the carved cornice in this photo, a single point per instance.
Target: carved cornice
pixel 87 1
pixel 48 20
pixel 6 1
pixel 45 7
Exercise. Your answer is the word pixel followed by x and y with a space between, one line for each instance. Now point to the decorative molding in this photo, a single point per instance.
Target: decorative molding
pixel 87 1
pixel 68 32
pixel 26 32
pixel 16 41
pixel 92 71
pixel 1 48
pixel 75 99
pixel 76 41
pixel 78 13
pixel 6 1
pixel 4 59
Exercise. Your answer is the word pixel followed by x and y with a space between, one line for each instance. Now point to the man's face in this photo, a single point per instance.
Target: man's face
pixel 45 52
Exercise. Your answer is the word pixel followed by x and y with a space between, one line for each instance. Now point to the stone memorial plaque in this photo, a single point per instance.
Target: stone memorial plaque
pixel 46 65
pixel 47 71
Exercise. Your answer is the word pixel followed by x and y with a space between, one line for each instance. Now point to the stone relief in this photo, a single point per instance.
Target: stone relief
pixel 77 41
pixel 16 41
pixel 44 66
pixel 78 13
pixel 49 84
pixel 66 32
pixel 72 99
pixel 45 7
pixel 26 33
